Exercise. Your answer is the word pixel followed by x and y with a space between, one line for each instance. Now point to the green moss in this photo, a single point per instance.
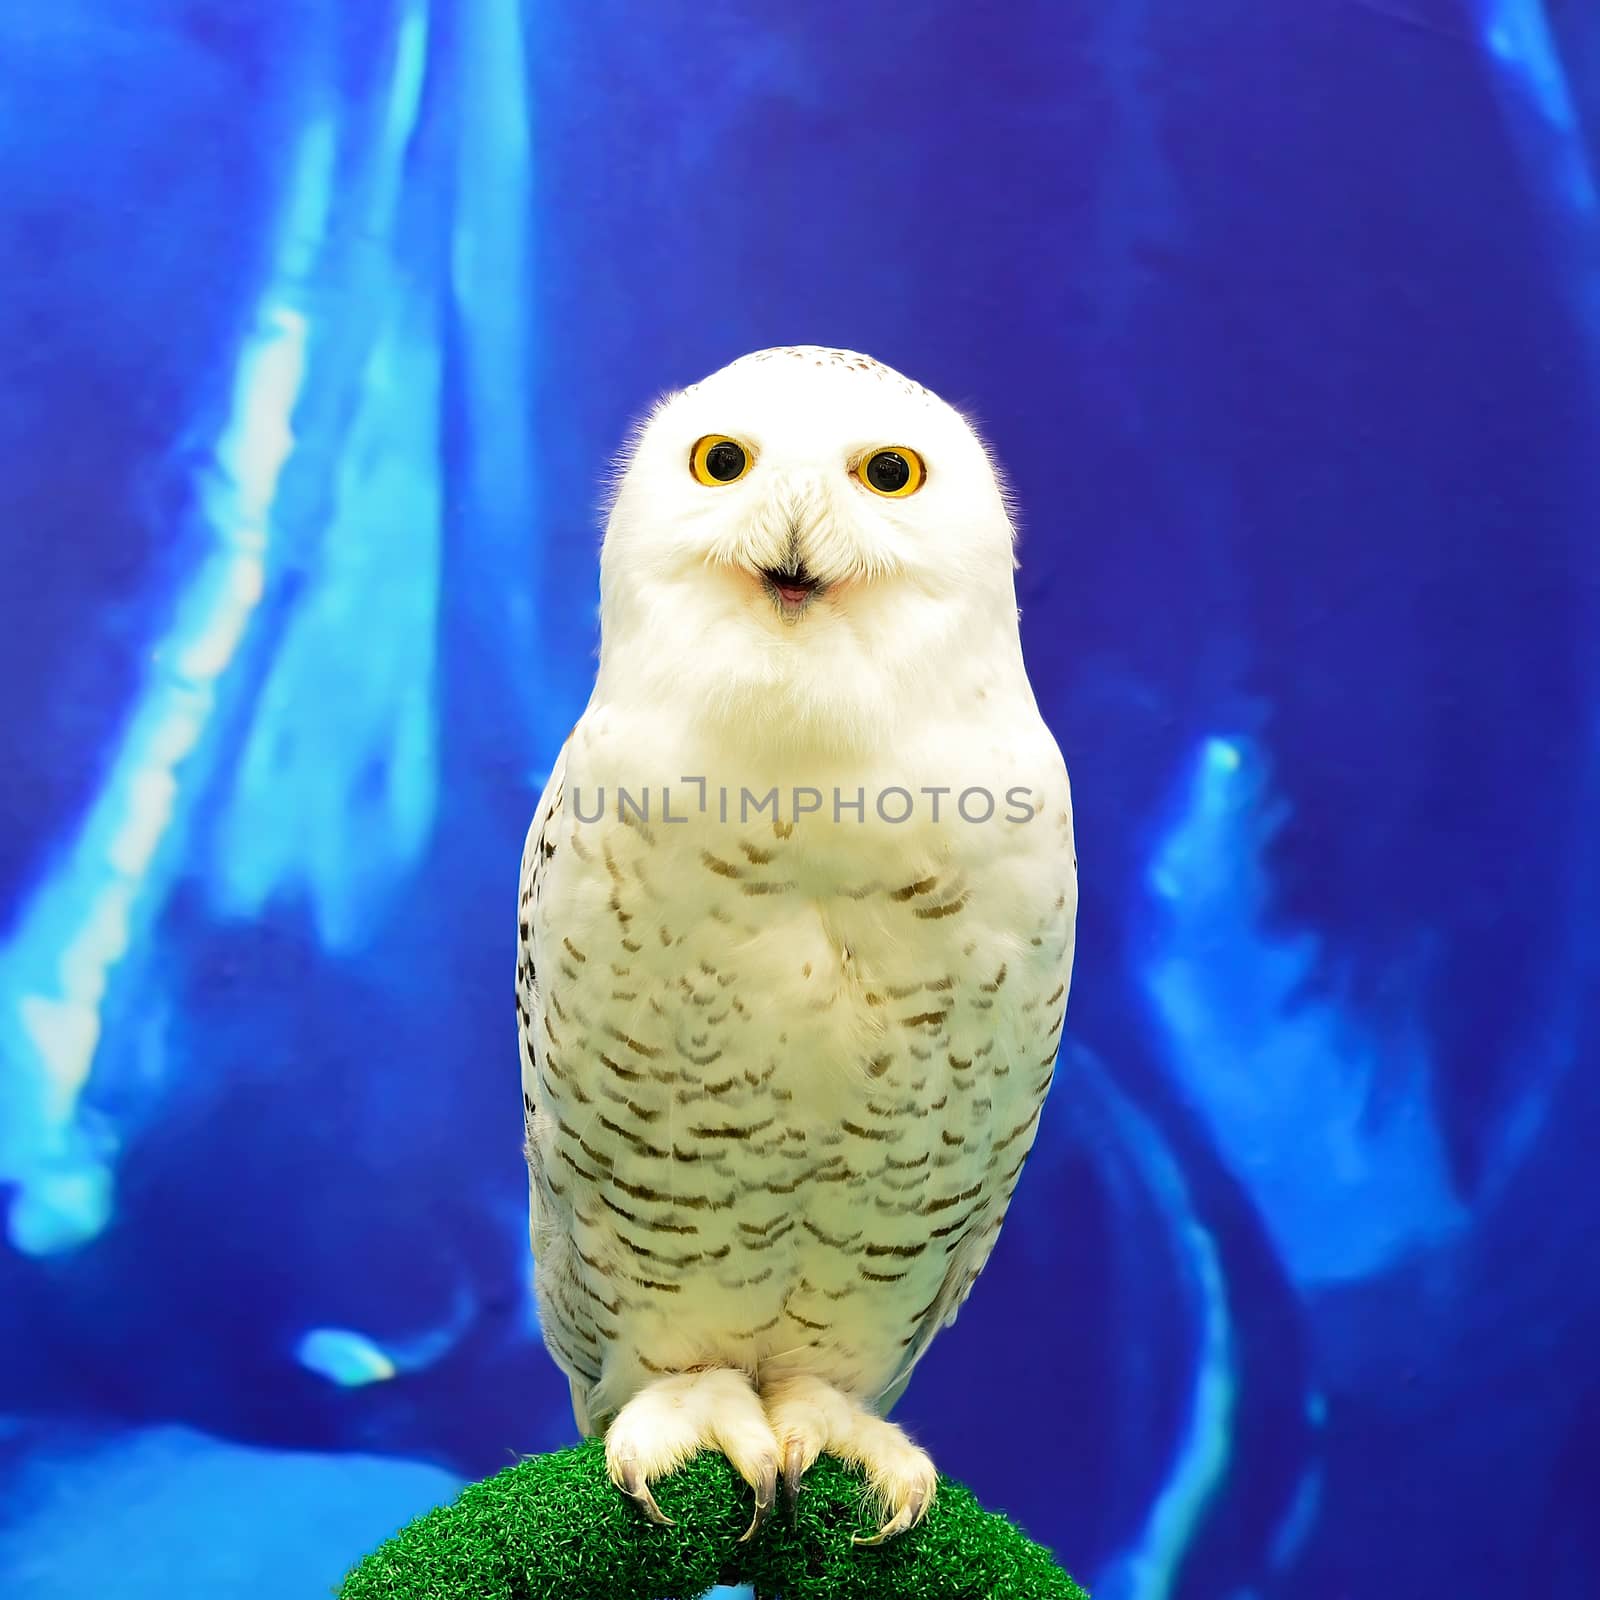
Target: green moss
pixel 555 1526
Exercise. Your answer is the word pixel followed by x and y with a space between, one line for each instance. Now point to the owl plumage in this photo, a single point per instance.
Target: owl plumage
pixel 795 929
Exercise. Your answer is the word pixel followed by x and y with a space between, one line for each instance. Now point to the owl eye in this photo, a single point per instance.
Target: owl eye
pixel 717 459
pixel 894 471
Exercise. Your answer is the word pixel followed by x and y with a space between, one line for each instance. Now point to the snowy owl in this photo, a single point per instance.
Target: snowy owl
pixel 795 930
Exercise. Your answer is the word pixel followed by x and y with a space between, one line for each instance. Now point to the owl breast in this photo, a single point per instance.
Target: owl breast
pixel 780 1078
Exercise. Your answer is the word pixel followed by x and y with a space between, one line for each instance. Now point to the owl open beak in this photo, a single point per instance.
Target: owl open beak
pixel 793 588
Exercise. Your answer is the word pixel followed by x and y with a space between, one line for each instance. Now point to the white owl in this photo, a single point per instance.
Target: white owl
pixel 795 930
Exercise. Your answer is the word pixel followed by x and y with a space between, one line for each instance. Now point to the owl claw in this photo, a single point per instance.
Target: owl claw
pixel 635 1485
pixel 897 1524
pixel 811 1417
pixel 794 1466
pixel 908 1516
pixel 766 1489
pixel 674 1419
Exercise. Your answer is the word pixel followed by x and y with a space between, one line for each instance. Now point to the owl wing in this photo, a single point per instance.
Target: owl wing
pixel 978 1244
pixel 550 1219
pixel 960 1275
pixel 537 850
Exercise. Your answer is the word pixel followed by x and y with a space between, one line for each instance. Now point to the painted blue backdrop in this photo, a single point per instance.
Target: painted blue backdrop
pixel 319 320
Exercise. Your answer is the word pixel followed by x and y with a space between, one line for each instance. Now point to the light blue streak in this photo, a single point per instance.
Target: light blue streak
pixel 1517 33
pixel 353 1359
pixel 345 1357
pixel 335 791
pixel 494 283
pixel 1325 1121
pixel 1295 1527
pixel 109 882
pixel 1149 1567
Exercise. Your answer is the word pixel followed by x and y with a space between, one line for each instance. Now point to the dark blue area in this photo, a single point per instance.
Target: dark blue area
pixel 318 327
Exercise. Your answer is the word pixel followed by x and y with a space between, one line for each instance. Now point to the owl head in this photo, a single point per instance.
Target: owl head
pixel 806 543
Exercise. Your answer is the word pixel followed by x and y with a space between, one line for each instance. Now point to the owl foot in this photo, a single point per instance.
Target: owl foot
pixel 810 1417
pixel 675 1418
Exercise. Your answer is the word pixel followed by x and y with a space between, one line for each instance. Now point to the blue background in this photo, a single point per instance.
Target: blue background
pixel 318 324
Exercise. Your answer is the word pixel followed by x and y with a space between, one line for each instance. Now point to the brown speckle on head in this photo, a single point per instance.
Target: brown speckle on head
pixel 825 356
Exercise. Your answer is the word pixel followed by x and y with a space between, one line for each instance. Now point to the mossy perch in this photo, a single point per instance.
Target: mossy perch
pixel 554 1525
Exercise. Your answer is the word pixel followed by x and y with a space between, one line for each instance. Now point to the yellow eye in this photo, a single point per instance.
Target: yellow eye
pixel 894 471
pixel 717 459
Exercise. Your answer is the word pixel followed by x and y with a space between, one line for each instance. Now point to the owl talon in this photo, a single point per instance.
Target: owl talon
pixel 766 1491
pixel 918 1496
pixel 794 1466
pixel 907 1517
pixel 672 1420
pixel 811 1416
pixel 636 1486
pixel 896 1525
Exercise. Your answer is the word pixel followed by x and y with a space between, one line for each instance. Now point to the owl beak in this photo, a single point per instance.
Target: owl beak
pixel 793 587
pixel 789 580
